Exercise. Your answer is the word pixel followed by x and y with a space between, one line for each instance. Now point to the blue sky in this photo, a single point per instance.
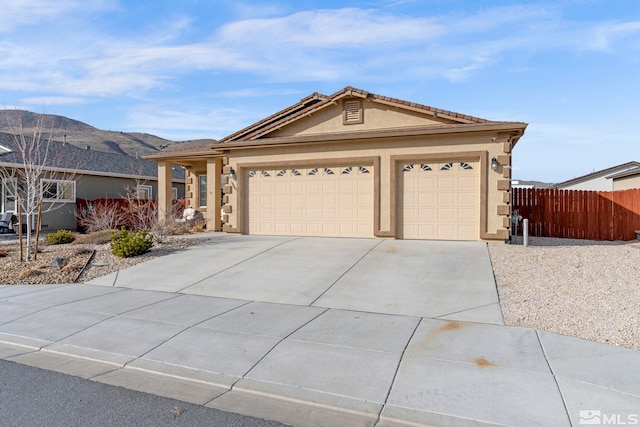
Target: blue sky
pixel 203 68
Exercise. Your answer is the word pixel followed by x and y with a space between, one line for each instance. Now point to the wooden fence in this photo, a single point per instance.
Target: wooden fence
pixel 127 207
pixel 594 215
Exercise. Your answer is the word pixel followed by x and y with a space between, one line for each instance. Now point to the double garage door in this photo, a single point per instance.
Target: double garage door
pixel 436 200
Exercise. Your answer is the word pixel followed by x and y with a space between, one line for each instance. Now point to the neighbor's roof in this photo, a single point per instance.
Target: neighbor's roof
pixel 608 173
pixel 629 172
pixel 86 162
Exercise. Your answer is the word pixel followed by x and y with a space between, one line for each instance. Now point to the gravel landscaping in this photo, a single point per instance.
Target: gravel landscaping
pixel 76 256
pixel 582 288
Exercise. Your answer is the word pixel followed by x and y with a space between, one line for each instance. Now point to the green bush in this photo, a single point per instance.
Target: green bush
pixel 125 244
pixel 60 237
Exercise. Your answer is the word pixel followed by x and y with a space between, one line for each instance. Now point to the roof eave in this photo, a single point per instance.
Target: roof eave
pixel 186 156
pixel 516 128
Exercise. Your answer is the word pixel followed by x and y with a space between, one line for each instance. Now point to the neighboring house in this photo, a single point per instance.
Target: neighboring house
pixel 518 183
pixel 602 180
pixel 355 164
pixel 96 174
pixel 626 180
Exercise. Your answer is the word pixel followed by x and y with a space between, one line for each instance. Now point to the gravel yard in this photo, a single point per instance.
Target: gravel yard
pixel 581 288
pixel 76 256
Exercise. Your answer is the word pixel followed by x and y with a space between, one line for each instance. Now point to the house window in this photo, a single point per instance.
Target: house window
pixel 352 112
pixel 202 191
pixel 174 193
pixel 143 191
pixel 56 190
pixel 8 194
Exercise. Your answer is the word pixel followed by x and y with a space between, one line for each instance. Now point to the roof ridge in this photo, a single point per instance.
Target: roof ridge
pixel 316 100
pixel 603 172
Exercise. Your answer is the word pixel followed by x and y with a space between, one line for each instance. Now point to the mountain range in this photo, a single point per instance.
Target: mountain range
pixel 82 135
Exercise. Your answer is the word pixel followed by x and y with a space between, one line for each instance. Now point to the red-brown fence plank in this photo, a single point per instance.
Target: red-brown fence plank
pixel 596 215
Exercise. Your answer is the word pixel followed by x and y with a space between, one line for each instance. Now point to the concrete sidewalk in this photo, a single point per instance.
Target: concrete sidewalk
pixel 316 363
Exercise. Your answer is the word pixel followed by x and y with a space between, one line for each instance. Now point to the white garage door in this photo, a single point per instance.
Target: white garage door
pixel 439 200
pixel 319 201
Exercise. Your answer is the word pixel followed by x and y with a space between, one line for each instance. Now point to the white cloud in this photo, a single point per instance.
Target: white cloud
pixel 605 36
pixel 323 45
pixel 16 13
pixel 258 92
pixel 343 28
pixel 54 100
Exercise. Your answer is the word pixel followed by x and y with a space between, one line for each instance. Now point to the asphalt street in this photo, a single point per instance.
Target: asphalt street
pixel 36 397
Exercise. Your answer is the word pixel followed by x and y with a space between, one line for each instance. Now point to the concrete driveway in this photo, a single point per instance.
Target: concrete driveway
pixel 445 280
pixel 320 332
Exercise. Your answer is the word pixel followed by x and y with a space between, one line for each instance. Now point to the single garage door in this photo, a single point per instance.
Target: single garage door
pixel 439 200
pixel 317 201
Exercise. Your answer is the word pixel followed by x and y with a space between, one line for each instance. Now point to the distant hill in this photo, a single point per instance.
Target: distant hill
pixel 83 135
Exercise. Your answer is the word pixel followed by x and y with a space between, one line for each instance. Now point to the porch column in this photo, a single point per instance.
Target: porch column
pixel 165 179
pixel 214 202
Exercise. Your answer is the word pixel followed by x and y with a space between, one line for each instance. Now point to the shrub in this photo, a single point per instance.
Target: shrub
pixel 101 215
pixel 60 237
pixel 125 244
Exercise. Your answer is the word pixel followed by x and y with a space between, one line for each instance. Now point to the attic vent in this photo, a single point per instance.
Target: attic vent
pixel 352 112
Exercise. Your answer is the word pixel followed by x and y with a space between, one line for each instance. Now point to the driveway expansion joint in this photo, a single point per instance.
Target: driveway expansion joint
pixel 555 379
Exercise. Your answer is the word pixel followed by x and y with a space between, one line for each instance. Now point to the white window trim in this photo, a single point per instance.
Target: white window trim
pixel 45 182
pixel 199 192
pixel 6 192
pixel 174 193
pixel 144 187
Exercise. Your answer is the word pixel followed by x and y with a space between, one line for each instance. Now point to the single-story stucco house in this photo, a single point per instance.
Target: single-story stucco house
pixel 72 173
pixel 619 177
pixel 355 164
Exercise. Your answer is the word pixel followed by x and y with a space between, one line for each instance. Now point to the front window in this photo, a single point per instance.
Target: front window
pixel 143 192
pixel 202 191
pixel 56 190
pixel 174 193
pixel 8 194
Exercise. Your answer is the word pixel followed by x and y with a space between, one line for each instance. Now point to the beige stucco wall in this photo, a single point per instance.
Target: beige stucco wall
pixel 376 116
pixel 626 183
pixel 471 146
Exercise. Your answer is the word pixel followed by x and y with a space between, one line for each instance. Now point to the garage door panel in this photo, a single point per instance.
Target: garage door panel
pixel 467 183
pixel 448 199
pixel 467 199
pixel 446 183
pixel 297 228
pixel 467 214
pixel 439 201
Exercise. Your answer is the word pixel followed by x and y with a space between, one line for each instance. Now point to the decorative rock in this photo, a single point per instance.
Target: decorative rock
pixel 59 262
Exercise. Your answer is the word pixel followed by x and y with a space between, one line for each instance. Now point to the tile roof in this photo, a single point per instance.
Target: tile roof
pixel 316 101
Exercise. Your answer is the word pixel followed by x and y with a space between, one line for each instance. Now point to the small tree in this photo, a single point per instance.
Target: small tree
pixel 37 168
pixel 143 214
